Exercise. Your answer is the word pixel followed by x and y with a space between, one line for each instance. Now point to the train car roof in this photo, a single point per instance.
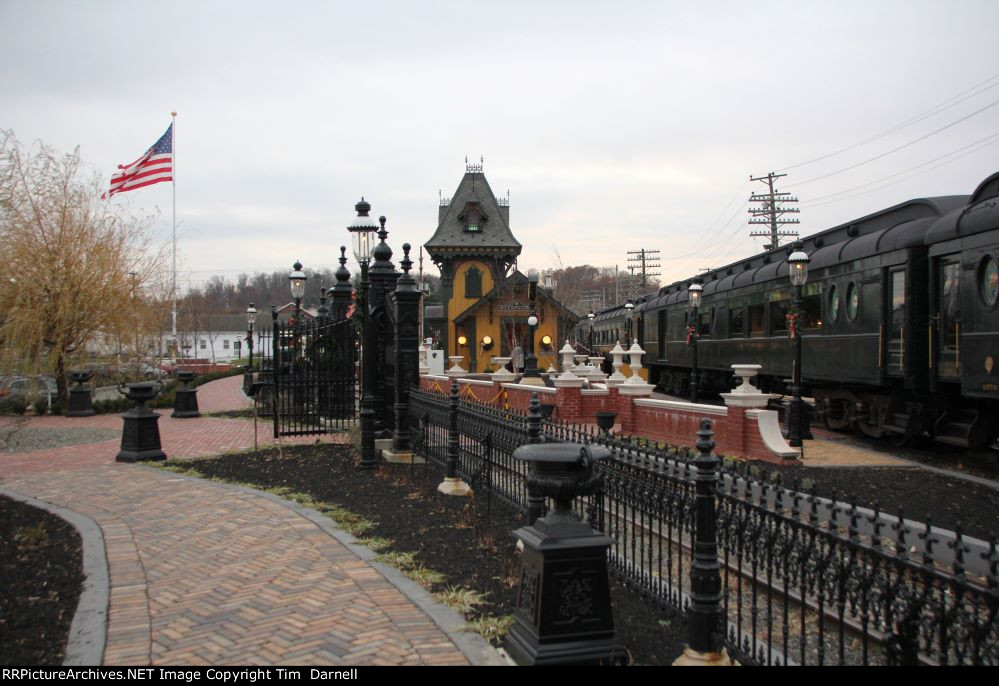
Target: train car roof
pixel 900 226
pixel 981 213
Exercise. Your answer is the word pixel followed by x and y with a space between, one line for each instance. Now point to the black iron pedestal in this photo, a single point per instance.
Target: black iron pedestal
pixel 563 614
pixel 185 402
pixel 80 402
pixel 140 437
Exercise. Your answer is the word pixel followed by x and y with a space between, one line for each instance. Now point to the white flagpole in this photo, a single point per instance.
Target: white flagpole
pixel 173 287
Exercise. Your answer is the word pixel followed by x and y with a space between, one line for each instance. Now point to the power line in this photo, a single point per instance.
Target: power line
pixel 945 105
pixel 871 190
pixel 901 147
pixel 813 201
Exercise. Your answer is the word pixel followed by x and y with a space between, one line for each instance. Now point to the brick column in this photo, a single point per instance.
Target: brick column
pixel 627 412
pixel 626 415
pixel 569 399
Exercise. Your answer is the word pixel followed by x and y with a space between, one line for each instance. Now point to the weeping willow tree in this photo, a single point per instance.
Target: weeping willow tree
pixel 72 266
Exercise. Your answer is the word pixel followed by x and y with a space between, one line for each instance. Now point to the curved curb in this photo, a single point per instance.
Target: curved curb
pixel 88 632
pixel 472 646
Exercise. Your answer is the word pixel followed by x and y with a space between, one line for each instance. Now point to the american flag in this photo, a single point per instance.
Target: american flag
pixel 154 166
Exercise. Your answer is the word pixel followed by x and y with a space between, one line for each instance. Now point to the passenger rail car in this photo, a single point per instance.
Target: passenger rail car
pixel 900 321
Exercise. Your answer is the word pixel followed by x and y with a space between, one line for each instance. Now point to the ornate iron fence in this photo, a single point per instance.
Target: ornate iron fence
pixel 314 377
pixel 806 580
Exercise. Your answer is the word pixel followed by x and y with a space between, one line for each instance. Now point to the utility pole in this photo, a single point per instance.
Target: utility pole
pixel 771 211
pixel 644 260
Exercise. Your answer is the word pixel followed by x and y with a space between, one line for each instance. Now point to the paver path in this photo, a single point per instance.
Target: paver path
pixel 205 573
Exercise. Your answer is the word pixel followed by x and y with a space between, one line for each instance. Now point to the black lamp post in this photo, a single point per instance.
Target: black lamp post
pixel 531 374
pixel 297 282
pixel 362 231
pixel 694 293
pixel 629 307
pixel 251 319
pixel 797 426
pixel 591 317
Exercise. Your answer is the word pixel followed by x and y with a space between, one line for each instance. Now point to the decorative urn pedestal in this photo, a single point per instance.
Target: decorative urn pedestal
pixel 80 402
pixel 185 403
pixel 563 614
pixel 605 420
pixel 140 437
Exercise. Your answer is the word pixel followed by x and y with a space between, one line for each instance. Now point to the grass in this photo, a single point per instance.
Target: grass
pixel 461 600
pixel 491 628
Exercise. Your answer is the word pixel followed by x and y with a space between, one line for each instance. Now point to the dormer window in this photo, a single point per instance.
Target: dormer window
pixel 473 218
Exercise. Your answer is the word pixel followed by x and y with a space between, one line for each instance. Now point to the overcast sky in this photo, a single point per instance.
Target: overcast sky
pixel 614 125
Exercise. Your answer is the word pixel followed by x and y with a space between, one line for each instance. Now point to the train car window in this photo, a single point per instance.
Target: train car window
pixel 833 304
pixel 896 342
pixel 949 309
pixel 778 315
pixel 736 322
pixel 704 323
pixel 988 279
pixel 852 300
pixel 663 334
pixel 757 327
pixel 811 310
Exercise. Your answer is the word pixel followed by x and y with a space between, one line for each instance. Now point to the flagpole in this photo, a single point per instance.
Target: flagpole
pixel 173 287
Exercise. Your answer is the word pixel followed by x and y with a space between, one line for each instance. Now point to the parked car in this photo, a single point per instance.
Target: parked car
pixel 29 388
pixel 131 370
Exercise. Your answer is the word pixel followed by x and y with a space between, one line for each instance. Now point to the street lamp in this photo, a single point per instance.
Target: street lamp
pixel 251 319
pixel 628 309
pixel 362 230
pixel 591 317
pixel 694 293
pixel 531 374
pixel 297 281
pixel 798 421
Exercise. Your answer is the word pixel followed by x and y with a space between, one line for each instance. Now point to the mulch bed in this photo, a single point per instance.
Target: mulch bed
pixel 41 574
pixel 454 536
pixel 945 501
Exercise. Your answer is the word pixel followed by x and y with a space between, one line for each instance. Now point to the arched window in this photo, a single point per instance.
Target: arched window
pixel 473 283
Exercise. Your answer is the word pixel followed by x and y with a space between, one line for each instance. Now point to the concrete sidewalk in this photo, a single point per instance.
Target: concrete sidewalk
pixel 204 573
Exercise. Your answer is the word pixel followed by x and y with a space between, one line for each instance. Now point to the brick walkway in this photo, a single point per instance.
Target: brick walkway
pixel 204 573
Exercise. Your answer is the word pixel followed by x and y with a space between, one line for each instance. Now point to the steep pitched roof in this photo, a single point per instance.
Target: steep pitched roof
pixel 494 233
pixel 506 288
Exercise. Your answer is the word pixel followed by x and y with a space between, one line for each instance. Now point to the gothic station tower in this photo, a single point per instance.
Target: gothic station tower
pixel 473 247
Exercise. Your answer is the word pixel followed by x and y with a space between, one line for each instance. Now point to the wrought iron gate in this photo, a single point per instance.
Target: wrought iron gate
pixel 314 377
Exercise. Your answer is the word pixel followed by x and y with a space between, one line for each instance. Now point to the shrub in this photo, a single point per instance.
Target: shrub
pixel 41 406
pixel 113 406
pixel 13 406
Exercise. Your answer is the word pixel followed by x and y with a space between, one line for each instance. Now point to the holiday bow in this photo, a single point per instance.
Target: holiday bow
pixel 792 325
pixel 691 333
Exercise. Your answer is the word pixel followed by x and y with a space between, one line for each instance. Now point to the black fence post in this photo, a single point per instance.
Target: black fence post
pixel 535 501
pixel 452 485
pixel 706 616
pixel 275 369
pixel 406 299
pixel 341 294
pixel 383 277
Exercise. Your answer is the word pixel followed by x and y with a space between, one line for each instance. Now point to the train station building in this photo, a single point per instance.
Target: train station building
pixel 484 298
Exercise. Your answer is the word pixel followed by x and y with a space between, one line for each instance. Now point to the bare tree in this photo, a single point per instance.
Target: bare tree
pixel 67 259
